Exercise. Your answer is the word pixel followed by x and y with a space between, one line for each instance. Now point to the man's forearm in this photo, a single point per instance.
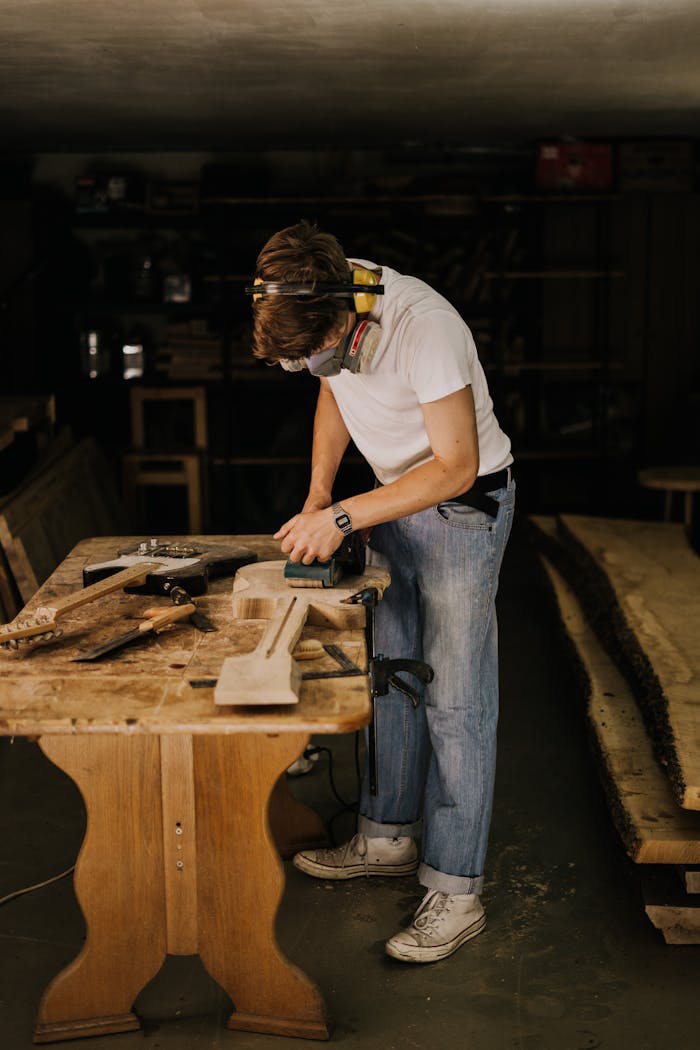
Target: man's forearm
pixel 330 441
pixel 419 488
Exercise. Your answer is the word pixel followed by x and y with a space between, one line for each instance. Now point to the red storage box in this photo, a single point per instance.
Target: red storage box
pixel 574 166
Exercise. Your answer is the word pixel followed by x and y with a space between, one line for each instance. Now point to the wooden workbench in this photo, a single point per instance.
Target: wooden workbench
pixel 184 801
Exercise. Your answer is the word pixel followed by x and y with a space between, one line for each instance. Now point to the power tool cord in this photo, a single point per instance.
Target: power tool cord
pixel 346 807
pixel 38 886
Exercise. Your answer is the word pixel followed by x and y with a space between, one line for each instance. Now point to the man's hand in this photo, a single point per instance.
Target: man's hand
pixel 309 536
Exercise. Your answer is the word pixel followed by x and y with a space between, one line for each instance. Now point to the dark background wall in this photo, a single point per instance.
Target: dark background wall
pixel 583 300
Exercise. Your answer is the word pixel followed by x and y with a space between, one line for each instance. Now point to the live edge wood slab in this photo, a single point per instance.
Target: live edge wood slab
pixel 187 795
pixel 639 583
pixel 653 828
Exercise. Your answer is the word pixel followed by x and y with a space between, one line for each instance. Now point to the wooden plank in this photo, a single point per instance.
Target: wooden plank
pixel 234 778
pixel 179 843
pixel 42 520
pixel 119 882
pixel 639 583
pixel 653 828
pixel 672 911
pixel 690 878
pixel 147 688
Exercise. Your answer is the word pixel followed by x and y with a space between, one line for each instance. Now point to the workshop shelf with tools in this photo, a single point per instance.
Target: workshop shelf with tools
pixel 569 390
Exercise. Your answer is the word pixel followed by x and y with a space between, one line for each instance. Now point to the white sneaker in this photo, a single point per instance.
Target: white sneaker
pixel 443 922
pixel 300 766
pixel 360 856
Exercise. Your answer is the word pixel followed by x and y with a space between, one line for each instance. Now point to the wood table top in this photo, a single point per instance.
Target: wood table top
pixel 147 687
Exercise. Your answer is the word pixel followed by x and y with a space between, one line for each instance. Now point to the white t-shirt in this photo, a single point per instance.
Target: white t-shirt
pixel 426 352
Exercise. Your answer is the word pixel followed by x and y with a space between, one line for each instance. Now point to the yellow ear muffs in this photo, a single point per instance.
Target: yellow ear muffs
pixel 363 301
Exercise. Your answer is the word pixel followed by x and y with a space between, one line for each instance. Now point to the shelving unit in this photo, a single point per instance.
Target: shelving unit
pixel 556 293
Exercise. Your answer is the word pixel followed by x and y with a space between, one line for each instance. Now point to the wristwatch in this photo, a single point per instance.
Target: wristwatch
pixel 342 519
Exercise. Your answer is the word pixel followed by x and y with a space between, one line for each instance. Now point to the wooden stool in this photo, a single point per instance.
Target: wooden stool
pixel 144 402
pixel 670 480
pixel 150 469
pixel 167 455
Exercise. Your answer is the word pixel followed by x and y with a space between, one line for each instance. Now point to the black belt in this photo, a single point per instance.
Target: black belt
pixel 477 496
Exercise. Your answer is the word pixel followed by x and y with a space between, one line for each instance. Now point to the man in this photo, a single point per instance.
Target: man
pixel 400 376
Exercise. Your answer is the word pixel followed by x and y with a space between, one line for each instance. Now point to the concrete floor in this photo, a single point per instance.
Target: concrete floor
pixel 568 961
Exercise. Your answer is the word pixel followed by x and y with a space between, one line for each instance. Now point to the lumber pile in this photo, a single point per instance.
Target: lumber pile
pixel 23 413
pixel 70 496
pixel 629 597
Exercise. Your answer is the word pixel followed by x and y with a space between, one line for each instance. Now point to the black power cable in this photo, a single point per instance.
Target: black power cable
pixel 314 750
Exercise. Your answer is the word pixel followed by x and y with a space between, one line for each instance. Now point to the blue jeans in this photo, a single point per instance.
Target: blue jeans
pixel 436 762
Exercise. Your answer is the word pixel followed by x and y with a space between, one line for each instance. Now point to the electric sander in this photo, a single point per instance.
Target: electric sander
pixel 348 560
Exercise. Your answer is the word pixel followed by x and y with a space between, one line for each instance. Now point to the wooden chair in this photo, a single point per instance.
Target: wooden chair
pixel 670 480
pixel 169 439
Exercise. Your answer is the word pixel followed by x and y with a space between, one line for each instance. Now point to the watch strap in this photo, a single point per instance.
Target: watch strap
pixel 342 519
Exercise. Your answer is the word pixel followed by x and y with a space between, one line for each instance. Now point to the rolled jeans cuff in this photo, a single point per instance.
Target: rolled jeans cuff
pixel 373 830
pixel 438 880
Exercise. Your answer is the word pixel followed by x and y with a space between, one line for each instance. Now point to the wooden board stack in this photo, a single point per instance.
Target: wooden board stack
pixel 629 596
pixel 70 497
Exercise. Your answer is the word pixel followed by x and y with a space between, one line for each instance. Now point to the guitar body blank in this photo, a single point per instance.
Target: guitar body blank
pixel 270 675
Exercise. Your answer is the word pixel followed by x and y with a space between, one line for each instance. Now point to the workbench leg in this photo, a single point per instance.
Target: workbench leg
pixel 240 884
pixel 118 883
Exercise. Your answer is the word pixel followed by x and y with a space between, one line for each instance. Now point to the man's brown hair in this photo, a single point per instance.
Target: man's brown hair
pixel 296 326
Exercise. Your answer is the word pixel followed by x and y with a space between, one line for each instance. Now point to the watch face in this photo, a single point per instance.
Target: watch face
pixel 343 522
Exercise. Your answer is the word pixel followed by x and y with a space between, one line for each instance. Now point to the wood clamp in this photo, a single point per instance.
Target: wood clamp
pixel 383 675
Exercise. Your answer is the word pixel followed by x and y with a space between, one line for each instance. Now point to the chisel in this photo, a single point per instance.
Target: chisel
pixel 154 622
